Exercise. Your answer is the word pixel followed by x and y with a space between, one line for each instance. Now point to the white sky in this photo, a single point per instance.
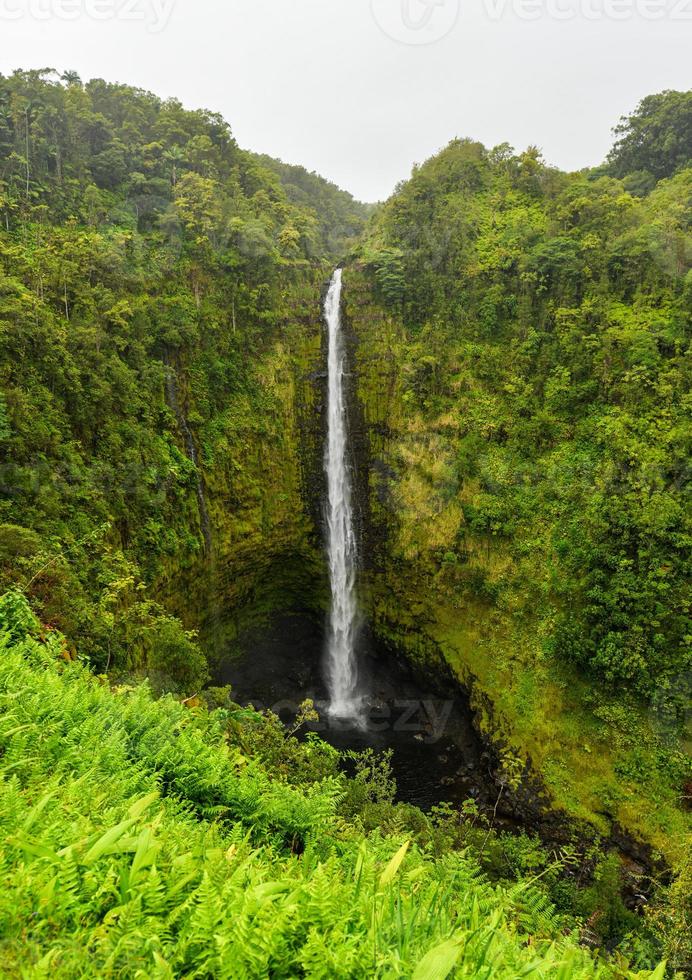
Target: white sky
pixel 319 82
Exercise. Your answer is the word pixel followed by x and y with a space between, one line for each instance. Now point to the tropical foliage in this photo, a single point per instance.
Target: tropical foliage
pixel 545 343
pixel 148 269
pixel 190 860
pixel 527 389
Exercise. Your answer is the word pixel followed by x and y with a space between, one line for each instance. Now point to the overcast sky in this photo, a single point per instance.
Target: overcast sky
pixel 359 90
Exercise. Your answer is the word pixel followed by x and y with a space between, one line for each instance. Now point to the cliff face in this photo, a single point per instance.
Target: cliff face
pixel 418 555
pixel 261 469
pixel 441 593
pixel 435 589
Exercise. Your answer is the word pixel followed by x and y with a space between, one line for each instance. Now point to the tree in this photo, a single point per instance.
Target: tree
pixel 656 138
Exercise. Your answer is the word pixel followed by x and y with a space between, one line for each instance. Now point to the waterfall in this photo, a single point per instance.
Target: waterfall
pixel 342 674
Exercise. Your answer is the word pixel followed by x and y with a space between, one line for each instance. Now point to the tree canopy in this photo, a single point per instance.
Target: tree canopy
pixel 656 139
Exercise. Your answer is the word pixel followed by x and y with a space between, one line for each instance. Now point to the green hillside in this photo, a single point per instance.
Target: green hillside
pixel 159 307
pixel 523 367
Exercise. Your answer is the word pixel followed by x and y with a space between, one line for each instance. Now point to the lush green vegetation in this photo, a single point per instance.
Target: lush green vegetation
pixel 523 372
pixel 193 859
pixel 546 323
pixel 523 367
pixel 654 141
pixel 341 218
pixel 148 270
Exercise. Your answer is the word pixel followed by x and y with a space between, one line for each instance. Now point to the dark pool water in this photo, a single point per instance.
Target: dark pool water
pixel 437 755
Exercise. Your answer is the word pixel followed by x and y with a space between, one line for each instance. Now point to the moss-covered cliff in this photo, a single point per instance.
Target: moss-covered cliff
pixel 437 587
pixel 261 470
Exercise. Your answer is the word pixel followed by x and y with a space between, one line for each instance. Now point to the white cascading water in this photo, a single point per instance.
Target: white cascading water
pixel 342 674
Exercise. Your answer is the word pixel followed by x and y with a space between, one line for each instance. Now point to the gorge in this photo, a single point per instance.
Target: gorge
pixel 432 503
pixel 366 696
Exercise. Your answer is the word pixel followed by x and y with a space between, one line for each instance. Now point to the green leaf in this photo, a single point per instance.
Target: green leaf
pixel 36 811
pixel 108 842
pixel 439 962
pixel 142 805
pixel 34 848
pixel 394 865
pixel 147 849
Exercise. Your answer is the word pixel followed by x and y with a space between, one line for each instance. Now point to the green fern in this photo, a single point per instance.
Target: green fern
pixel 139 844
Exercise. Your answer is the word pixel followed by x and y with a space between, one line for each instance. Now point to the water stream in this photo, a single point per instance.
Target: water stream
pixel 342 669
